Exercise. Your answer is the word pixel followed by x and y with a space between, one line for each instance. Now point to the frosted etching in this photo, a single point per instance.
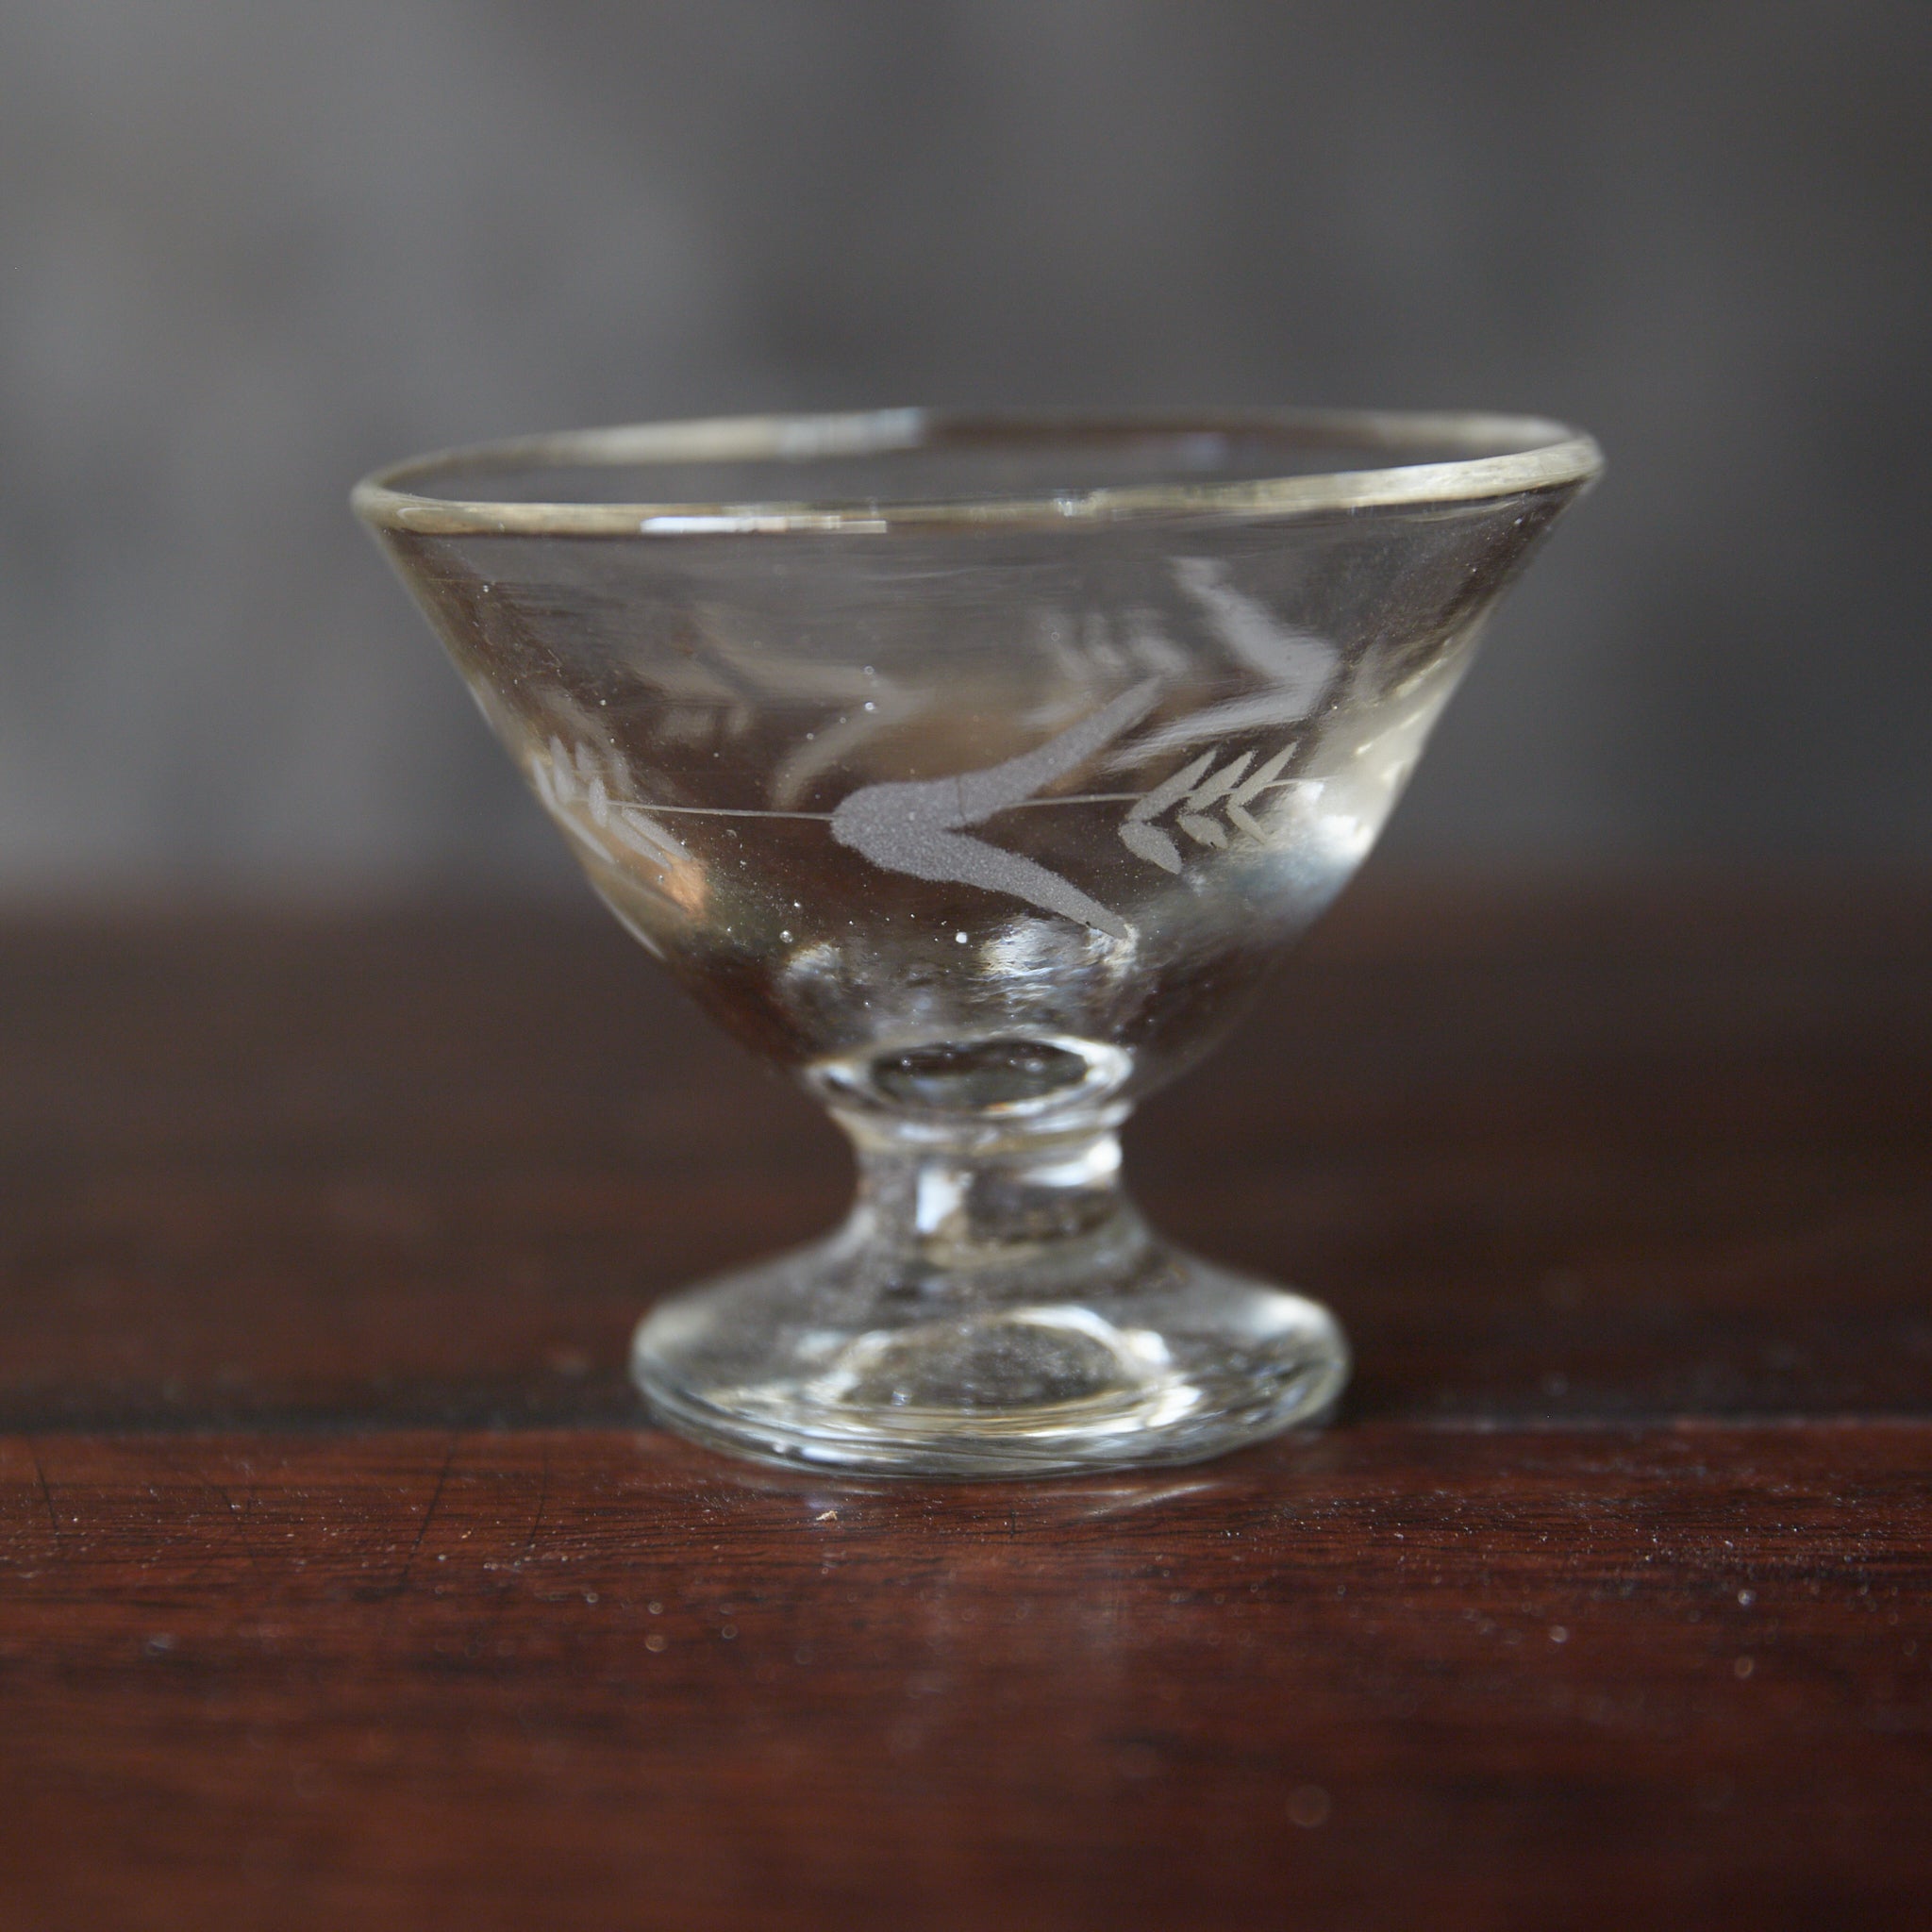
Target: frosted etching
pixel 1296 667
pixel 1196 790
pixel 914 826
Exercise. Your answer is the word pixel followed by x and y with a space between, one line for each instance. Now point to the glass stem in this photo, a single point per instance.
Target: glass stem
pixel 983 1204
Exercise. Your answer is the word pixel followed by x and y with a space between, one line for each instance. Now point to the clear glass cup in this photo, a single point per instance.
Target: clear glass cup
pixel 977 770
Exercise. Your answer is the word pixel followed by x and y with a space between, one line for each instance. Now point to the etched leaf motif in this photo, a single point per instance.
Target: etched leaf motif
pixel 1251 789
pixel 1292 670
pixel 1217 787
pixel 577 792
pixel 1171 791
pixel 920 826
pixel 1151 843
pixel 1198 789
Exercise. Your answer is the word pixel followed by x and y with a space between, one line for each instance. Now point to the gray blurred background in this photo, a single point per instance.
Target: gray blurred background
pixel 249 248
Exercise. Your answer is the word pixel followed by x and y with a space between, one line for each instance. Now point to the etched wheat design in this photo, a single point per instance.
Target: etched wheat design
pixel 573 784
pixel 1197 790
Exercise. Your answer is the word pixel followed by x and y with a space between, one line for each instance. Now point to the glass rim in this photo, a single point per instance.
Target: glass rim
pixel 1496 455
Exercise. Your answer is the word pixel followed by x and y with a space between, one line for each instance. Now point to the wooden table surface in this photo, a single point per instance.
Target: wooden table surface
pixel 341 1581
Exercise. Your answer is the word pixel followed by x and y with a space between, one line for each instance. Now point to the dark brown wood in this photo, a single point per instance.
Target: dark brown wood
pixel 1389 1676
pixel 342 1581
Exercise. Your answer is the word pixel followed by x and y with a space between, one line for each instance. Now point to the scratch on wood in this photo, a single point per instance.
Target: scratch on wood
pixel 542 1503
pixel 47 1494
pixel 429 1514
pixel 239 1518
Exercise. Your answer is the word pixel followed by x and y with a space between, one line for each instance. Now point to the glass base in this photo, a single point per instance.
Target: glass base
pixel 1135 1355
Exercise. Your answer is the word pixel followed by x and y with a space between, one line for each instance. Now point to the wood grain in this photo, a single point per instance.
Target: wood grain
pixel 340 1578
pixel 1389 1676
